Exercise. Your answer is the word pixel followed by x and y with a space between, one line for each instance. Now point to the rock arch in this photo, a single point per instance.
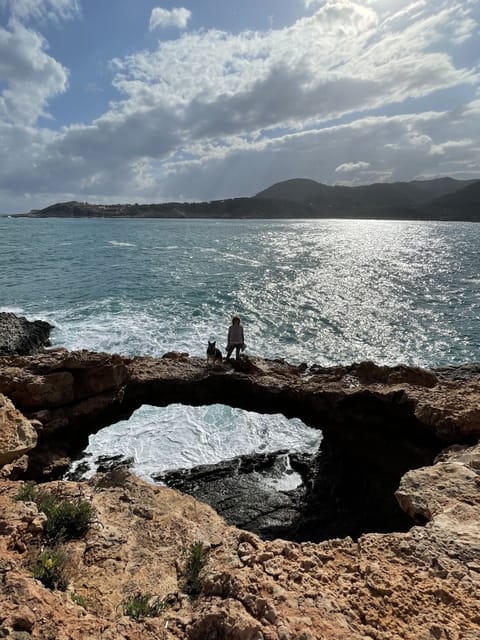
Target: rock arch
pixel 377 422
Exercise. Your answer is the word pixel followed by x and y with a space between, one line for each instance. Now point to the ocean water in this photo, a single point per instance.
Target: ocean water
pixel 326 292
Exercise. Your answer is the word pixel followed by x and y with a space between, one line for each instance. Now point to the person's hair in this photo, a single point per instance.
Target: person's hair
pixel 235 318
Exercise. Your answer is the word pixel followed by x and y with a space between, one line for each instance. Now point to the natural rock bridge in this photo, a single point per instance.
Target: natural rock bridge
pixel 377 422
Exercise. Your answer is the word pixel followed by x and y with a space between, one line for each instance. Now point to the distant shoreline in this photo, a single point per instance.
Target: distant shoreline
pixel 351 217
pixel 440 199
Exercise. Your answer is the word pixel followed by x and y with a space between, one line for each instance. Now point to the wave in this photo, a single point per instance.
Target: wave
pixel 116 243
pixel 165 438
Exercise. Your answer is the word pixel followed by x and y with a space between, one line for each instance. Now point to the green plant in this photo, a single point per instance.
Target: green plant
pixel 27 493
pixel 50 569
pixel 65 519
pixel 196 560
pixel 78 599
pixel 143 605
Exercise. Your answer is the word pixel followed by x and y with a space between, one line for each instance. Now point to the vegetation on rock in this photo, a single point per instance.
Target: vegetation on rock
pixel 28 492
pixel 143 605
pixel 50 568
pixel 66 519
pixel 196 560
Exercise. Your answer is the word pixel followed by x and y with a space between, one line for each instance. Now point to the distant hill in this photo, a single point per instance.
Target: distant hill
pixel 438 199
pixel 467 197
pixel 396 194
pixel 229 208
pixel 441 198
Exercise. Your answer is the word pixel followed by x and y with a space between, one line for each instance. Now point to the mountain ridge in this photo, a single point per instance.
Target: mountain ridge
pixel 436 199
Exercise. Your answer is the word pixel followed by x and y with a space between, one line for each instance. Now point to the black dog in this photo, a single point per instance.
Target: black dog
pixel 214 355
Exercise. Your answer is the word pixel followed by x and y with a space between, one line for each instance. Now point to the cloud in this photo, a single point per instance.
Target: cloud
pixel 42 10
pixel 32 76
pixel 335 62
pixel 348 167
pixel 214 114
pixel 161 18
pixel 364 145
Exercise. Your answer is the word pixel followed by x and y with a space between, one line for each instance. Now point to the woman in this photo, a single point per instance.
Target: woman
pixel 235 338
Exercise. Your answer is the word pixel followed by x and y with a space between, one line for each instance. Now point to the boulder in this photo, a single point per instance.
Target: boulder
pixel 17 436
pixel 19 336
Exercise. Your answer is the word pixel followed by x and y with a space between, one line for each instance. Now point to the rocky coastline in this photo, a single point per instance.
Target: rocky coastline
pixel 384 542
pixel 21 337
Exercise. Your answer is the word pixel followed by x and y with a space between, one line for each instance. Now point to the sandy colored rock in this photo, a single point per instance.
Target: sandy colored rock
pixel 424 583
pixel 420 584
pixel 81 392
pixel 17 435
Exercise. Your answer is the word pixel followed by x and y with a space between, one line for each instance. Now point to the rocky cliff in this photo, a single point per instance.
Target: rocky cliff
pixel 387 548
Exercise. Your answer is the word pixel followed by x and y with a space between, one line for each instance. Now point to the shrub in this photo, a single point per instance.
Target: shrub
pixel 143 605
pixel 50 569
pixel 66 520
pixel 196 560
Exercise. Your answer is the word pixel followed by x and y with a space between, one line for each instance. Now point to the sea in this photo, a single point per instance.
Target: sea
pixel 316 291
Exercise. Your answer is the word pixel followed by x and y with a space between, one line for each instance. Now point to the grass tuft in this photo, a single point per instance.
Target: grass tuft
pixel 78 599
pixel 66 519
pixel 27 493
pixel 143 605
pixel 196 560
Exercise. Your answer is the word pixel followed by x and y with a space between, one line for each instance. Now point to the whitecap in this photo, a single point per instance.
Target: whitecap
pixel 116 243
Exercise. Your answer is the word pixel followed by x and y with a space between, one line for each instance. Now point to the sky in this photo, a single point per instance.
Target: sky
pixel 113 101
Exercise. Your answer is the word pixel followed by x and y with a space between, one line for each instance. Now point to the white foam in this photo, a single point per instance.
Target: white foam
pixel 115 243
pixel 159 439
pixel 16 310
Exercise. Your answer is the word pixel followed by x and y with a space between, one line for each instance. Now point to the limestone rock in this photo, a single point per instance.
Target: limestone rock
pixel 17 435
pixel 423 583
pixel 385 429
pixel 372 412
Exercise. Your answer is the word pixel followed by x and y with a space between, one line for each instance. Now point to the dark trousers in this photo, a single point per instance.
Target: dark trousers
pixel 237 350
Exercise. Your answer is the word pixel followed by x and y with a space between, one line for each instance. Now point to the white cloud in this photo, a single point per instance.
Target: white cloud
pixel 42 10
pixel 161 18
pixel 335 62
pixel 363 145
pixel 215 114
pixel 347 167
pixel 32 77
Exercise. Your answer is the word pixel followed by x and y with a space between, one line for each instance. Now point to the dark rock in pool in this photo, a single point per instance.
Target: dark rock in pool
pixel 20 337
pixel 244 490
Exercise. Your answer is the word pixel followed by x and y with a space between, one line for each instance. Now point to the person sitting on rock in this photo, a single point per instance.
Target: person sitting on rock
pixel 235 338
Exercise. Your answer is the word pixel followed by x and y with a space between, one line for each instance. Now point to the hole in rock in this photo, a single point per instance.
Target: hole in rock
pixel 156 440
pixel 267 473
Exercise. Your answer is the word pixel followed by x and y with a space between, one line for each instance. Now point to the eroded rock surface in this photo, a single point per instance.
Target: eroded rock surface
pixel 17 438
pixel 385 430
pixel 359 405
pixel 248 490
pixel 423 584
